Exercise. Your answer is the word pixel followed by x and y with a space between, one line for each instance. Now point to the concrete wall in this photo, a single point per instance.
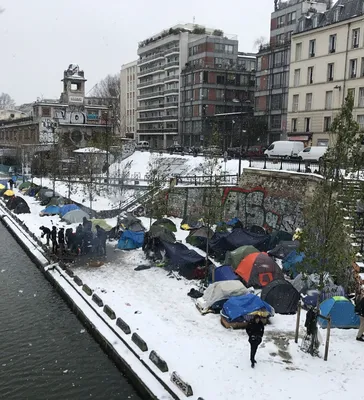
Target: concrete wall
pixel 273 199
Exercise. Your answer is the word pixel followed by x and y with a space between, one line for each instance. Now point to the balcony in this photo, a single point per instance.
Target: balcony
pixel 170 117
pixel 151 118
pixel 150 58
pixel 151 82
pixel 171 104
pixel 171 51
pixel 151 70
pixel 171 78
pixel 173 90
pixel 171 64
pixel 151 107
pixel 157 93
pixel 161 130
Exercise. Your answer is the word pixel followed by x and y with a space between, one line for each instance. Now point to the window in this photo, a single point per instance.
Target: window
pixel 361 97
pixel 294 124
pixel 220 79
pixel 312 48
pixel 336 14
pixel 295 100
pixel 229 49
pixel 352 68
pixel 280 21
pixel 298 52
pixel 327 124
pixel 322 142
pixel 280 39
pixel 276 101
pixel 276 122
pixel 309 75
pixel 46 111
pixel 278 59
pixel 355 38
pixel 332 43
pixel 307 124
pixel 277 80
pixel 314 21
pixel 330 72
pixel 297 76
pixel 328 100
pixel 308 102
pixel 361 121
pixel 292 18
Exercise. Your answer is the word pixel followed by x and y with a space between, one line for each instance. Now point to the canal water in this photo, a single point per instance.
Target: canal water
pixel 45 352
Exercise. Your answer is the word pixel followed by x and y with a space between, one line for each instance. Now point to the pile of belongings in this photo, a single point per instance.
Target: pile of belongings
pixel 218 293
pixel 243 308
pixel 189 223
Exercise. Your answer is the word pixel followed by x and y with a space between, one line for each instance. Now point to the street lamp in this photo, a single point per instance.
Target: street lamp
pixel 243 103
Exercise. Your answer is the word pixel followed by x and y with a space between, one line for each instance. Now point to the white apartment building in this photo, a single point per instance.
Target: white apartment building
pixel 161 59
pixel 128 99
pixel 327 62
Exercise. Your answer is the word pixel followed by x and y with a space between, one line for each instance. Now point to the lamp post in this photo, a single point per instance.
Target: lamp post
pixel 107 143
pixel 243 103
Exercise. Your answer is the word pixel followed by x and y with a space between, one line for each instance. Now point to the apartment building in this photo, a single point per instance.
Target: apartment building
pixel 128 99
pixel 215 82
pixel 161 59
pixel 327 63
pixel 273 63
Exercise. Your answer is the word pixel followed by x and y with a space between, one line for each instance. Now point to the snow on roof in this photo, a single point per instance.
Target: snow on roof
pixel 93 150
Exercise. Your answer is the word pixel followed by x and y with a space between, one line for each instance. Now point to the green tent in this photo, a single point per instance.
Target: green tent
pixel 166 223
pixel 162 233
pixel 233 258
pixel 102 223
pixel 26 185
pixel 56 201
pixel 198 237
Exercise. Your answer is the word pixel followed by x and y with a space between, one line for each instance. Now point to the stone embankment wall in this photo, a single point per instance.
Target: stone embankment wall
pixel 273 199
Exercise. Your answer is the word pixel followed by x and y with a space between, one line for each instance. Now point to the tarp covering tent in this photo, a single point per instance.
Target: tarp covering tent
pixel 279 236
pixel 220 291
pixel 242 308
pixel 131 223
pixel 282 296
pixel 234 257
pixel 166 223
pixel 341 311
pixel 50 210
pixel 67 208
pixel 258 269
pixel 303 283
pixel 283 249
pixel 2 186
pixel 56 201
pixel 32 191
pixel 198 237
pixel 189 223
pixel 161 233
pixel 75 216
pixel 290 262
pixel 229 241
pixel 8 193
pixel 224 273
pixel 101 223
pixel 130 240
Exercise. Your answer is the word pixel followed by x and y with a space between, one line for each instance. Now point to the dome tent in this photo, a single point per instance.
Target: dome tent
pixel 282 296
pixel 341 311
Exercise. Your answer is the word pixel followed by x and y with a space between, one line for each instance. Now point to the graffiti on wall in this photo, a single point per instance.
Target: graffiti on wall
pixel 47 131
pixel 71 117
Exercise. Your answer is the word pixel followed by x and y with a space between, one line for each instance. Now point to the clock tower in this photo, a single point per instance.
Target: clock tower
pixel 73 86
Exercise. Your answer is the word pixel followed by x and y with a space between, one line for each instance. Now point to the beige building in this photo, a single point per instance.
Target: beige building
pixel 128 99
pixel 327 62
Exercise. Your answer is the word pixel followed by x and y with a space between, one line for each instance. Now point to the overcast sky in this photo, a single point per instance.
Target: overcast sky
pixel 40 38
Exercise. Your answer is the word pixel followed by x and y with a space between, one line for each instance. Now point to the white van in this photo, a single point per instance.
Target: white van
pixel 143 145
pixel 284 149
pixel 313 153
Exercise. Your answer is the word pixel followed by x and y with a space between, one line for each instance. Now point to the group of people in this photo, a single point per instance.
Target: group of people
pixel 82 241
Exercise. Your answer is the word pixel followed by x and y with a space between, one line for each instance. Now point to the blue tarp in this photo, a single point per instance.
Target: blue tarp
pixel 131 240
pixel 67 208
pixel 240 306
pixel 179 255
pixel 220 243
pixel 289 262
pixel 51 210
pixel 341 311
pixel 225 273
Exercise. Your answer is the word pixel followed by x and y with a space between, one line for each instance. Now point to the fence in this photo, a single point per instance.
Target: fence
pixel 286 165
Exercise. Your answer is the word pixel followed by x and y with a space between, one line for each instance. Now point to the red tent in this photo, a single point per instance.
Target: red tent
pixel 258 269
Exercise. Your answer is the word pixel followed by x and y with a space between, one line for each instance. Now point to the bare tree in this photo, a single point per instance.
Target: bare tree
pixel 6 102
pixel 260 41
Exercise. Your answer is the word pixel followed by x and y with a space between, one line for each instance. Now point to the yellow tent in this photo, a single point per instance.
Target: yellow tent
pixel 9 193
pixel 2 186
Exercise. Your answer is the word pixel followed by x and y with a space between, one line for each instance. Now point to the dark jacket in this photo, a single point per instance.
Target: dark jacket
pixel 54 234
pixel 87 225
pixel 46 231
pixel 255 330
pixel 101 234
pixel 61 236
pixel 359 308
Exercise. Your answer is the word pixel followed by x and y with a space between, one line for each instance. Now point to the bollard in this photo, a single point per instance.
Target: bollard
pixel 87 290
pixel 182 385
pixel 78 280
pixel 109 312
pixel 139 342
pixel 158 361
pixel 96 299
pixel 123 326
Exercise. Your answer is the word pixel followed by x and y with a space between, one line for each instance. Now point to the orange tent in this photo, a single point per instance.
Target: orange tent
pixel 258 269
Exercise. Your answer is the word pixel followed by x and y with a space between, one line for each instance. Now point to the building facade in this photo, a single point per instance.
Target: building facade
pixel 273 63
pixel 327 63
pixel 74 120
pixel 161 59
pixel 216 81
pixel 128 99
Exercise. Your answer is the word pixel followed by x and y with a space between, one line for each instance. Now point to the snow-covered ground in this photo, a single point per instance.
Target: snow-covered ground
pixel 215 360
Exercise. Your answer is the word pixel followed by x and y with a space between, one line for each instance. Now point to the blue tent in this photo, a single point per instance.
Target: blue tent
pixel 289 262
pixel 51 210
pixel 236 308
pixel 67 208
pixel 225 273
pixel 341 311
pixel 131 240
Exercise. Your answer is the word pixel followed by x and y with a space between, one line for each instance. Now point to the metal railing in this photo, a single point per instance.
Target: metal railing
pixel 174 77
pixel 150 107
pixel 150 82
pixel 174 90
pixel 286 165
pixel 156 93
pixel 150 70
pixel 171 50
pixel 171 64
pixel 150 58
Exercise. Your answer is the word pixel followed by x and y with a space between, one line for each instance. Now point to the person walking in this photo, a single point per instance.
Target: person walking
pixel 255 331
pixel 46 232
pixel 11 184
pixel 61 240
pixel 54 240
pixel 101 236
pixel 359 308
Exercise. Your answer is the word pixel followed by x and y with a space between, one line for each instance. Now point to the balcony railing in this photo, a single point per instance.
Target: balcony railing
pixel 160 130
pixel 168 117
pixel 151 118
pixel 150 82
pixel 151 94
pixel 150 58
pixel 173 90
pixel 171 104
pixel 172 50
pixel 171 64
pixel 150 107
pixel 171 78
pixel 151 70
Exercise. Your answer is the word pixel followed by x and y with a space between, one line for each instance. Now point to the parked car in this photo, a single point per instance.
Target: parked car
pixel 234 152
pixel 255 151
pixel 313 153
pixel 142 145
pixel 212 151
pixel 284 149
pixel 175 148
